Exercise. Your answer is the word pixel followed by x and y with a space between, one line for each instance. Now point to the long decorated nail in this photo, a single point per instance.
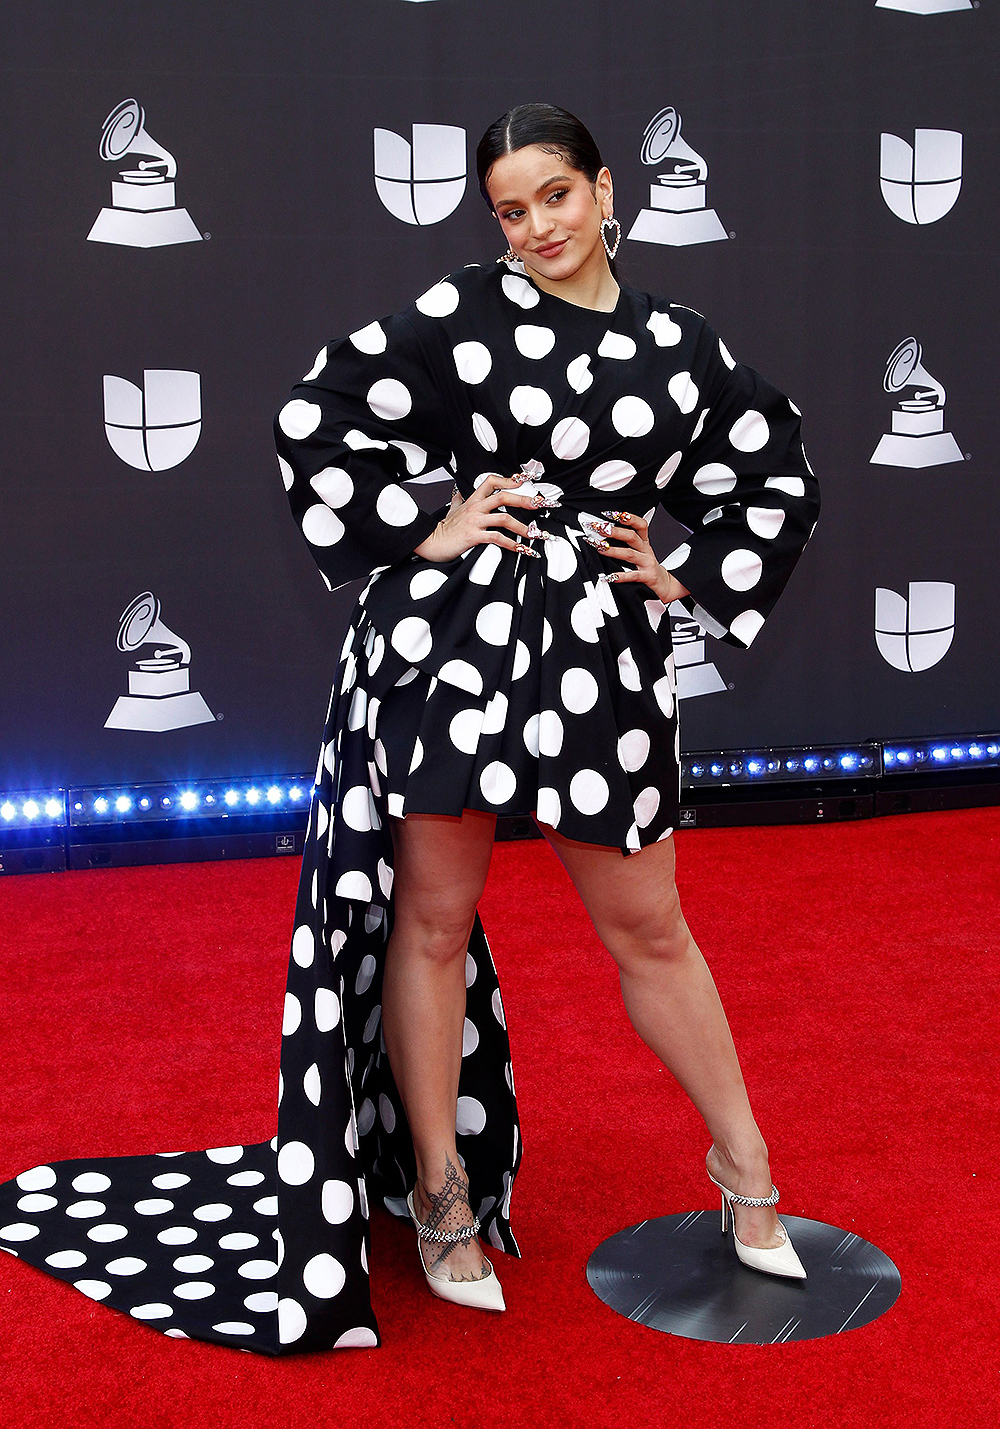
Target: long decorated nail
pixel 535 532
pixel 527 551
pixel 551 501
pixel 617 515
pixel 608 576
pixel 598 544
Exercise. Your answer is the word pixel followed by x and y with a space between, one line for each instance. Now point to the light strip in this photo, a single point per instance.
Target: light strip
pixel 33 808
pixel 926 755
pixel 815 763
pixel 193 799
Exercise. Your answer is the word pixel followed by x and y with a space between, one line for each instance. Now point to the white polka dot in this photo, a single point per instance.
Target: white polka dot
pixel 548 806
pixel 484 432
pixel 361 441
pixel 262 1302
pixel 154 1207
pixel 66 1259
pixel 677 556
pixel 245 1178
pixel 437 302
pixel 791 485
pixel 225 1155
pixel 18 1230
pixel 665 331
pixel 192 1264
pixel 95 1289
pixel 746 626
pixel 578 690
pixel 714 478
pixel 415 457
pixel 696 433
pixel 317 366
pixel 519 290
pixel 326 1009
pixel 471 1117
pixel 765 521
pixel 299 419
pixel 584 620
pixel 588 791
pixel 334 485
pixel 498 782
pixel 287 474
pixel 495 714
pixel 357 808
pixel 546 634
pixel 155 1310
pixel 323 1276
pixel 194 1290
pixel 550 734
pixel 570 438
pixel 125 1265
pixel 464 730
pixel 239 1240
pixel 633 748
pixel 712 515
pixel 389 398
pixel 684 392
pixel 312 1087
pixel 171 1181
pixel 266 1206
pixel 750 433
pixel 530 735
pixel 177 1235
pixel 610 475
pixel 370 339
pixel 86 1210
pixel 741 569
pixel 532 341
pixel 396 506
pixel 473 362
pixel 39 1178
pixel 411 637
pixel 91 1181
pixel 632 417
pixel 496 1002
pixel 485 564
pixel 292 1016
pixel 628 670
pixel 296 1163
pixel 664 695
pixel 303 946
pixel 522 661
pixel 726 356
pixel 258 1270
pixel 578 373
pixel 493 622
pixel 668 468
pixel 321 526
pixel 470 1038
pixel 560 559
pixel 214 1211
pixel 531 406
pixel 107 1232
pixel 617 345
pixel 337 1202
pixel 233 1327
pixel 359 1338
pixel 646 806
pixel 418 755
pixel 37 1201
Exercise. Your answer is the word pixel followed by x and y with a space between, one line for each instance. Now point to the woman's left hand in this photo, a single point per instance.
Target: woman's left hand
pixel 623 526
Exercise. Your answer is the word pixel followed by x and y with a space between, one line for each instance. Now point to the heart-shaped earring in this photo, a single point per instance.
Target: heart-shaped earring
pixel 611 248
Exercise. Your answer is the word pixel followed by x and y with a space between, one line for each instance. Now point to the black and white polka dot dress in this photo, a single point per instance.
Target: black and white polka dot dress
pixel 492 681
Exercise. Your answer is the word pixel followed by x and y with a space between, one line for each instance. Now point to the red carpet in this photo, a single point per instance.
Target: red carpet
pixel 858 964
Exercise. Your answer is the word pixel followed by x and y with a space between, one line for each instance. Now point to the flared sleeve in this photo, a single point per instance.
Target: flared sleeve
pixel 742 487
pixel 368 414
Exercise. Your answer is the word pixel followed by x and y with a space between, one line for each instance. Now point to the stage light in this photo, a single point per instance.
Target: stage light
pixel 189 800
pixel 295 793
pixel 253 796
pixel 7 810
pixel 941 753
pixel 101 805
pixel 781 765
pixel 145 803
pixel 232 797
pixel 123 803
pixel 273 794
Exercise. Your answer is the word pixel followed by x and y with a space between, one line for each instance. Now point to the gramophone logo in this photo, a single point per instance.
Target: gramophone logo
pixel 159 694
pixel 143 212
pixel 921 182
pixel 157 425
pixel 924 7
pixel 918 437
pixel 678 212
pixel 696 675
pixel 421 182
pixel 914 634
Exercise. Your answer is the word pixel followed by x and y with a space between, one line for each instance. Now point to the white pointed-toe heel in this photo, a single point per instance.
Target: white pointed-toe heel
pixel 780 1259
pixel 484 1294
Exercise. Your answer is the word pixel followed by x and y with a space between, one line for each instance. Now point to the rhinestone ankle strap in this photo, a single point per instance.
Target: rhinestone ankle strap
pixel 771 1200
pixel 426 1232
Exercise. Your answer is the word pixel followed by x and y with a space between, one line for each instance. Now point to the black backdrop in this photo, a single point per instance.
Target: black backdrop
pixel 270 111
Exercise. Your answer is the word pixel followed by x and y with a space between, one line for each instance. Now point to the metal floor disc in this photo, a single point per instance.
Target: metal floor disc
pixel 680 1275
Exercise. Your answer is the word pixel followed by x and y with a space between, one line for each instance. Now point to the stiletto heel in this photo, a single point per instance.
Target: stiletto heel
pixel 779 1259
pixel 484 1294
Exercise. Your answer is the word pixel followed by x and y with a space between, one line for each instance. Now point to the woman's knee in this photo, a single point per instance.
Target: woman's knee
pixel 433 931
pixel 659 936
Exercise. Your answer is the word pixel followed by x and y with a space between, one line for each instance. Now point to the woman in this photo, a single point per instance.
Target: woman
pixel 509 654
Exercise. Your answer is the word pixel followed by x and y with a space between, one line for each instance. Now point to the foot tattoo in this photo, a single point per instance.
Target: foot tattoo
pixel 450 1211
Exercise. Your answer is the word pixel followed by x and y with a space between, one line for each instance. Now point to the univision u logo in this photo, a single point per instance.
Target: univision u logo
pixel 155 426
pixel 915 632
pixel 421 182
pixel 921 182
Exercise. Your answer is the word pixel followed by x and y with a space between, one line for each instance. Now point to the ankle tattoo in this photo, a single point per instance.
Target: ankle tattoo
pixel 450 1214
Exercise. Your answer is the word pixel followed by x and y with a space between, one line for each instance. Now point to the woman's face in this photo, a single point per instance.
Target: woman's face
pixel 550 213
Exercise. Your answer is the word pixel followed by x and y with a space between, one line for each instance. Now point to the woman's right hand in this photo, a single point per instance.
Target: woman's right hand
pixel 476 521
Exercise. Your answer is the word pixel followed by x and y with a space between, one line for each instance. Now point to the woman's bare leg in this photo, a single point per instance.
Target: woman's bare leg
pixel 673 1004
pixel 440 867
